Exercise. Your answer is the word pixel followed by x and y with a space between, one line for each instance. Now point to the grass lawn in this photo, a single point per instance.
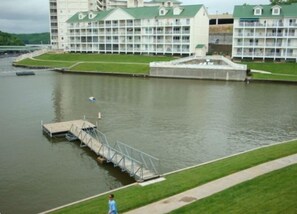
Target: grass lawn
pixel 275 192
pixel 50 64
pixel 136 196
pixel 103 57
pixel 113 68
pixel 280 71
pixel 113 63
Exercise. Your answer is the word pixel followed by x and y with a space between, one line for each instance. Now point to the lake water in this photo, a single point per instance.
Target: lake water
pixel 182 122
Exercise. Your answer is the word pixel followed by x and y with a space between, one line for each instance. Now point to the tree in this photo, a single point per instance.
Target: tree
pixel 273 2
pixel 8 39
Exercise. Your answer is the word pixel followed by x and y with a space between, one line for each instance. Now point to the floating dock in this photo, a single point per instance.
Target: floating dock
pixel 25 73
pixel 138 164
pixel 62 128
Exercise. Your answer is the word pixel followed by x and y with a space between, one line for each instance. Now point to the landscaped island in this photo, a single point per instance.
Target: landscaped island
pixel 95 63
pixel 139 65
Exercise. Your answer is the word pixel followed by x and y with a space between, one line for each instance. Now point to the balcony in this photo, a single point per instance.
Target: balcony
pixel 273 44
pixel 259 25
pixel 185 41
pixel 160 40
pixel 249 44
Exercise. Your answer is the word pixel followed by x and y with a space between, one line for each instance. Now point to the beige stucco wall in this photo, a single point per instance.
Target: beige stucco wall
pixel 200 29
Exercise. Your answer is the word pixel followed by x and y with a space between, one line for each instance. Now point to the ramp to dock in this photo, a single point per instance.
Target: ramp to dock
pixel 136 163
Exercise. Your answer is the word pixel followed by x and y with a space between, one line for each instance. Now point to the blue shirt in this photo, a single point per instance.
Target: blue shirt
pixel 112 207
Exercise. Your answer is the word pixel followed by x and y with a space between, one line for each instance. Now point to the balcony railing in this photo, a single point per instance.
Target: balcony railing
pixel 259 24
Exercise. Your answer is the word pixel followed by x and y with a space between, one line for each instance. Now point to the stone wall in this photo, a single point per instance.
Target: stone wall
pixel 198 73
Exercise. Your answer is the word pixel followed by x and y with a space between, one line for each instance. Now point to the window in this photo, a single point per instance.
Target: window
pixel 162 11
pixel 81 16
pixel 177 11
pixel 276 10
pixel 258 11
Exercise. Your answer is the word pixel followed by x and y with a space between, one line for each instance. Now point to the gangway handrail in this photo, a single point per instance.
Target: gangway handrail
pixel 143 156
pixel 122 155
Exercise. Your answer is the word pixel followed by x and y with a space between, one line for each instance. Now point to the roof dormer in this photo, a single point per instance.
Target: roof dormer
pixel 81 16
pixel 276 10
pixel 177 10
pixel 162 11
pixel 258 10
pixel 92 15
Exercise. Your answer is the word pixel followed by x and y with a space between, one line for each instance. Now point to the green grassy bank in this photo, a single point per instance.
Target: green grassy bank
pixel 106 63
pixel 275 192
pixel 136 196
pixel 279 71
pixel 139 64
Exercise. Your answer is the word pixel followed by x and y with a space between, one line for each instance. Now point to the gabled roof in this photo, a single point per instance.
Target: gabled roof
pixel 247 11
pixel 141 13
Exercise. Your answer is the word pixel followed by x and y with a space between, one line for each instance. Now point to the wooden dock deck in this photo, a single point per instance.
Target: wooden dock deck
pixel 61 128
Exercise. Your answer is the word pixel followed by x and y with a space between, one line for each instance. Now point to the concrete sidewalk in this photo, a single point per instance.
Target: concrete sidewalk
pixel 182 199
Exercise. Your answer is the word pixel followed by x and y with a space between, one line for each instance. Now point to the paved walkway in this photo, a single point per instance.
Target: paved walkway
pixel 182 199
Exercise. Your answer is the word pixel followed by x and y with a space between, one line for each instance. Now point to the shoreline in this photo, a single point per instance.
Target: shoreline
pixel 166 174
pixel 65 71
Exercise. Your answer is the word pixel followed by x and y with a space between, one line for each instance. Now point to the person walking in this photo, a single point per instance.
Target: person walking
pixel 112 205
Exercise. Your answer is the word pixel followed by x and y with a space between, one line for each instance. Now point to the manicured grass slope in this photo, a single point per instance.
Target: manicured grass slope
pixel 113 63
pixel 104 58
pixel 50 64
pixel 280 71
pixel 275 192
pixel 137 196
pixel 113 68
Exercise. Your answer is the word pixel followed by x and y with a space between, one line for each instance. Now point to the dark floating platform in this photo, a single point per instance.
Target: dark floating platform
pixel 24 73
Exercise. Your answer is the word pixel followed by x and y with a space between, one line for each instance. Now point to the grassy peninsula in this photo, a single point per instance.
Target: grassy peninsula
pixel 139 64
pixel 136 196
pixel 95 63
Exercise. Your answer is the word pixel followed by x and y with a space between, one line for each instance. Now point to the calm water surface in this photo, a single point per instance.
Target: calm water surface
pixel 182 122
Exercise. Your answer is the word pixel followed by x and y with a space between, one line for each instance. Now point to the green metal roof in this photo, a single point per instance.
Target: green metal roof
pixel 188 11
pixel 199 46
pixel 247 11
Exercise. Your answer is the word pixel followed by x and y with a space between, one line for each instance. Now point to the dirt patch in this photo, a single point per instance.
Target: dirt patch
pixel 188 199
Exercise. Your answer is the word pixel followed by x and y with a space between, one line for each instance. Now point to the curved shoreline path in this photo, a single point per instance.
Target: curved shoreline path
pixel 177 201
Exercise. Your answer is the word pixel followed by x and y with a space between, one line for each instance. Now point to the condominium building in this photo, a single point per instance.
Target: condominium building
pixel 168 29
pixel 265 32
pixel 62 10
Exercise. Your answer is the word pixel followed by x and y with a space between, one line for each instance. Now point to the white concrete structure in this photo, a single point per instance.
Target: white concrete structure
pixel 143 30
pixel 62 10
pixel 265 32
pixel 194 67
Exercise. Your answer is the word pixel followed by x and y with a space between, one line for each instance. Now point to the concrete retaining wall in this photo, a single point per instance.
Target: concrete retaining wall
pixel 198 73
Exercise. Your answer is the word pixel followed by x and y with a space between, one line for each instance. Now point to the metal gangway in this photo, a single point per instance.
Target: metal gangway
pixel 138 164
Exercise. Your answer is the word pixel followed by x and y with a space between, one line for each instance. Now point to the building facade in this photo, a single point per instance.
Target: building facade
pixel 140 30
pixel 265 32
pixel 62 10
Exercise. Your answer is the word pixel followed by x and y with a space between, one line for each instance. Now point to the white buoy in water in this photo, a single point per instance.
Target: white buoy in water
pixel 92 99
